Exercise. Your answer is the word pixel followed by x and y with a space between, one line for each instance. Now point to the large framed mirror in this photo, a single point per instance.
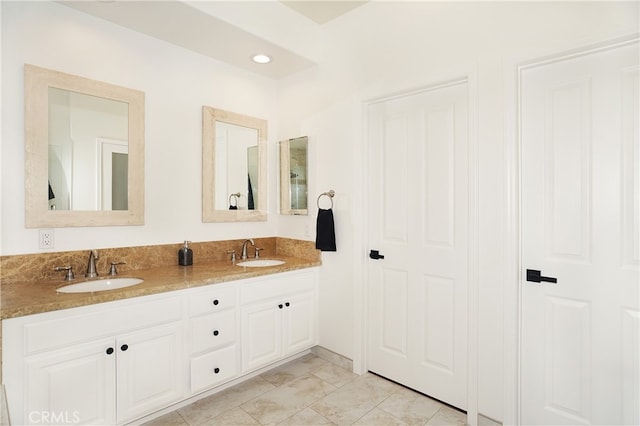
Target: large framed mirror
pixel 234 167
pixel 293 176
pixel 84 159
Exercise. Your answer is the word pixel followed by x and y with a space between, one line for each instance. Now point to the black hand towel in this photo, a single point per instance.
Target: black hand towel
pixel 325 231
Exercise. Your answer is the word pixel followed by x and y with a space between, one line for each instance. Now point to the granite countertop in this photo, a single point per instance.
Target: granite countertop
pixel 19 299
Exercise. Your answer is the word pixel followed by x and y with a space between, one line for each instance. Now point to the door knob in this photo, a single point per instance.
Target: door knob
pixel 535 276
pixel 375 254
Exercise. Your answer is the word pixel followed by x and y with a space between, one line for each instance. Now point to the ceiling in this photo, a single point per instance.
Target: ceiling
pixel 220 30
pixel 322 12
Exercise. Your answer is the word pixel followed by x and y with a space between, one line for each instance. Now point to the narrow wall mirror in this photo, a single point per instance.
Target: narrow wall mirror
pixel 293 176
pixel 234 167
pixel 84 160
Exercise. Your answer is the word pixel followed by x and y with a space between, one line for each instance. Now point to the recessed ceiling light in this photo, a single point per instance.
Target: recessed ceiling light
pixel 261 58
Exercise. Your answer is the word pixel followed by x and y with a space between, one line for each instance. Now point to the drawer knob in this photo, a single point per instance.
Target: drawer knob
pixel 216 332
pixel 124 347
pixel 216 302
pixel 216 370
pixel 280 306
pixel 287 304
pixel 109 351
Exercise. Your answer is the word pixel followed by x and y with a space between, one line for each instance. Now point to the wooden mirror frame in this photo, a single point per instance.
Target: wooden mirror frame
pixel 36 121
pixel 211 212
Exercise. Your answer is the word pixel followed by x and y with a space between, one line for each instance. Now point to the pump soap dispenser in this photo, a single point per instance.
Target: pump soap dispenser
pixel 185 255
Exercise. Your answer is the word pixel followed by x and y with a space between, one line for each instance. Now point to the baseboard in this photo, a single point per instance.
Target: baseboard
pixel 337 359
pixel 487 421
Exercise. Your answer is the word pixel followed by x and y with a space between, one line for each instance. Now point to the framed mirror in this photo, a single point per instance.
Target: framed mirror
pixel 234 167
pixel 293 176
pixel 84 159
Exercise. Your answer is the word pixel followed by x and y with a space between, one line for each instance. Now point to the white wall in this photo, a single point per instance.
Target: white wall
pixel 176 82
pixel 384 48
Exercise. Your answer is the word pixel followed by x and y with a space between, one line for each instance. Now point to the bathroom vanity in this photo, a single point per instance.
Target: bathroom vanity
pixel 121 360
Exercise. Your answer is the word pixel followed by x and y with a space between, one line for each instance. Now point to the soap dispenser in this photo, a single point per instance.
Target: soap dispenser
pixel 185 255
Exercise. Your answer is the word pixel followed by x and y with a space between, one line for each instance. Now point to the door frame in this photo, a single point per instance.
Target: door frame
pixel 513 241
pixel 468 75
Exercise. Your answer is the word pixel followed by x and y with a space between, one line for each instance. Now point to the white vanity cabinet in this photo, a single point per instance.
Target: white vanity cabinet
pixel 116 362
pixel 99 364
pixel 279 318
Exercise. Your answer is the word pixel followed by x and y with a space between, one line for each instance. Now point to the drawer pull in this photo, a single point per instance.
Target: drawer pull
pixel 109 351
pixel 287 304
pixel 216 302
pixel 124 347
pixel 216 332
pixel 216 370
pixel 280 306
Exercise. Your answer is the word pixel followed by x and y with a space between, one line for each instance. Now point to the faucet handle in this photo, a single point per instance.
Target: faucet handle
pixel 69 275
pixel 258 252
pixel 113 270
pixel 233 255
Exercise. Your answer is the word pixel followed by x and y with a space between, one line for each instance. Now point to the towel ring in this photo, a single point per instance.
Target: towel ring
pixel 236 196
pixel 329 194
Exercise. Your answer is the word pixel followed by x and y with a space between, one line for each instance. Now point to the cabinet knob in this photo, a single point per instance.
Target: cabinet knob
pixel 109 351
pixel 287 304
pixel 216 302
pixel 216 332
pixel 216 370
pixel 124 347
pixel 280 306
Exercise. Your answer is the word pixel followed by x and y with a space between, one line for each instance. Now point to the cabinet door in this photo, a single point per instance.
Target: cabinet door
pixel 72 386
pixel 151 370
pixel 261 334
pixel 298 323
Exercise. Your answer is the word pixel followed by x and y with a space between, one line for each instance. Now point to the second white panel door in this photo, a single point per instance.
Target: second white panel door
pixel 419 212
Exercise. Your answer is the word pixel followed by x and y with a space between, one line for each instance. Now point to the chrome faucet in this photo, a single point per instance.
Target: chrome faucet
pixel 69 275
pixel 91 267
pixel 243 255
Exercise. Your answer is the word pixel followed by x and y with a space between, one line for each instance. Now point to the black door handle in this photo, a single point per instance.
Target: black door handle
pixel 375 254
pixel 535 276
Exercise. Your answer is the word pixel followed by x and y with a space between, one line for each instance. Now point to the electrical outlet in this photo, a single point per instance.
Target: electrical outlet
pixel 46 239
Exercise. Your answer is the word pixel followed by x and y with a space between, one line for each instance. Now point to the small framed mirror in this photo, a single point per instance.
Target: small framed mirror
pixel 293 176
pixel 84 160
pixel 234 167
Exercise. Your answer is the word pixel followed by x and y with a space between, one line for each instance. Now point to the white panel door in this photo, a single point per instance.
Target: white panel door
pixel 419 222
pixel 580 197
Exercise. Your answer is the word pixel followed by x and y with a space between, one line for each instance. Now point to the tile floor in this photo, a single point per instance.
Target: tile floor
pixel 311 391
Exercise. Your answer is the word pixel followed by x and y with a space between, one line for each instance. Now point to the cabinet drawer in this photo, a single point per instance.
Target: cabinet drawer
pixel 212 331
pixel 276 286
pixel 213 368
pixel 214 300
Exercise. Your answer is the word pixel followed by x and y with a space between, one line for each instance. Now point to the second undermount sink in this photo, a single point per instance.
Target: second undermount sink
pixel 259 263
pixel 99 285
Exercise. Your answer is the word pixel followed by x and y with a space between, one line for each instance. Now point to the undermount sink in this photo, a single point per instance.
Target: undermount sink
pixel 99 285
pixel 259 263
